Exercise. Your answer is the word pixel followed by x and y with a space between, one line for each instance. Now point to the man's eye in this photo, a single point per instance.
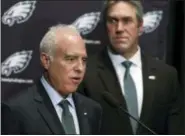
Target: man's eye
pixel 112 20
pixel 127 20
pixel 70 59
pixel 84 60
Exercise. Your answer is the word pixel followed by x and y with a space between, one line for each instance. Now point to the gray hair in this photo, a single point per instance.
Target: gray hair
pixel 136 3
pixel 48 43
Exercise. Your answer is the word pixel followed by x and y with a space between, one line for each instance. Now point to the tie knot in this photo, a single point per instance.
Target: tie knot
pixel 64 104
pixel 127 64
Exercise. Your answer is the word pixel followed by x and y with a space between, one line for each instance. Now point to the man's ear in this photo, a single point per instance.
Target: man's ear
pixel 45 60
pixel 140 26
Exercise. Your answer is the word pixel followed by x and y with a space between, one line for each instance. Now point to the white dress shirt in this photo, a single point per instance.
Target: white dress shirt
pixel 135 72
pixel 56 98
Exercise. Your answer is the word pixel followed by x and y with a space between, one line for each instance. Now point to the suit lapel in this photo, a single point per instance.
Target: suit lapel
pixel 47 111
pixel 82 114
pixel 110 81
pixel 108 77
pixel 148 70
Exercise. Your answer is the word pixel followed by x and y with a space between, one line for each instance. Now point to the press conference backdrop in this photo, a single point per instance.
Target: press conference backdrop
pixel 23 24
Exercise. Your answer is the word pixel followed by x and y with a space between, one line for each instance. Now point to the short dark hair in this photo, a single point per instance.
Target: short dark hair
pixel 109 3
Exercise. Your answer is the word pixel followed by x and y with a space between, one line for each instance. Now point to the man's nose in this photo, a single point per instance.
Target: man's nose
pixel 120 27
pixel 80 66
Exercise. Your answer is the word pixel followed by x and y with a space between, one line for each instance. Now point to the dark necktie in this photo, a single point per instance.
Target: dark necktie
pixel 130 95
pixel 67 119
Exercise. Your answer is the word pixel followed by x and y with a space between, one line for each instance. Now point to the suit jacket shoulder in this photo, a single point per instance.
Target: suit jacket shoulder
pixel 35 113
pixel 159 64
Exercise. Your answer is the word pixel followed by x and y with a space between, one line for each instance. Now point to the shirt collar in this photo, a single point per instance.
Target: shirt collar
pixel 55 97
pixel 118 59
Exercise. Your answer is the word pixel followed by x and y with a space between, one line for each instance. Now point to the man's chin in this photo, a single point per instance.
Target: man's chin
pixel 123 46
pixel 121 49
pixel 72 89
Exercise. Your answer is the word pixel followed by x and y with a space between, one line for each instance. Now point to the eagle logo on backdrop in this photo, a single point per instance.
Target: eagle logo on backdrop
pixel 18 13
pixel 87 23
pixel 16 63
pixel 151 21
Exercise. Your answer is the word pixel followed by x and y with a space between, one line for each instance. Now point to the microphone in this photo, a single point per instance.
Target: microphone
pixel 113 102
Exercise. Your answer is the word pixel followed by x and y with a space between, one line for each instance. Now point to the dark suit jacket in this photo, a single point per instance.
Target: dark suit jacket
pixel 7 120
pixel 35 114
pixel 161 101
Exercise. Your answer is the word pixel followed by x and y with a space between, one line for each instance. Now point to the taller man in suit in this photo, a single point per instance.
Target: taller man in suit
pixel 52 106
pixel 147 88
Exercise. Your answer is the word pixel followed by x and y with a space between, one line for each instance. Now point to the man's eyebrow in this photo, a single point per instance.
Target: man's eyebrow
pixel 75 56
pixel 70 55
pixel 126 16
pixel 85 57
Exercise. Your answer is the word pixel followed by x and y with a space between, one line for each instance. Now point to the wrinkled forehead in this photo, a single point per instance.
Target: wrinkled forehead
pixel 73 50
pixel 121 9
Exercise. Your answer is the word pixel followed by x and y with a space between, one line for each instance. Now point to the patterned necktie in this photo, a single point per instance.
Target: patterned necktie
pixel 130 95
pixel 67 119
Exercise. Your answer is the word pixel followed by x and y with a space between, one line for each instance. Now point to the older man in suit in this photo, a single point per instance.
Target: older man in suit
pixel 143 86
pixel 52 106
